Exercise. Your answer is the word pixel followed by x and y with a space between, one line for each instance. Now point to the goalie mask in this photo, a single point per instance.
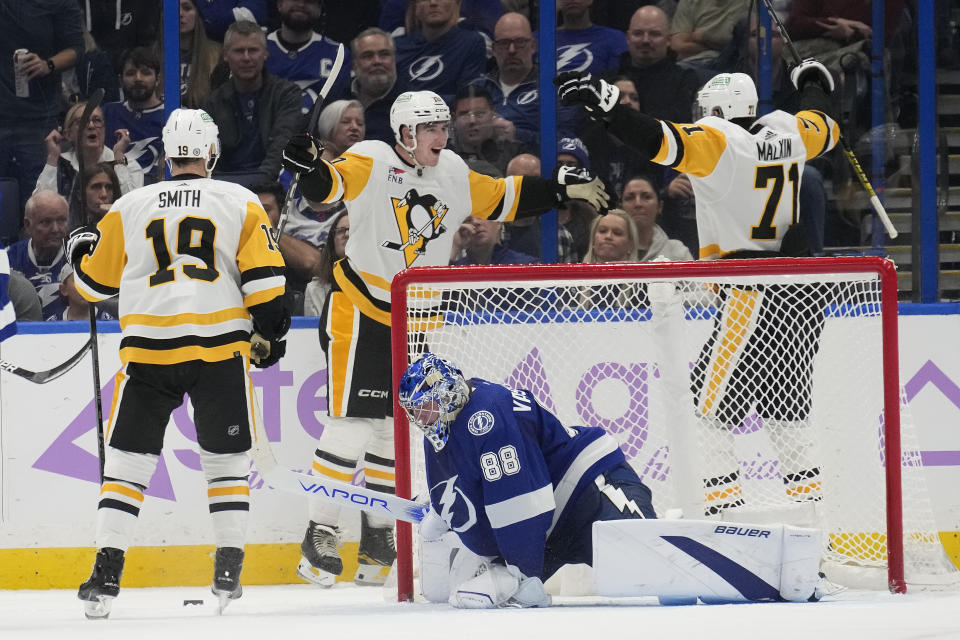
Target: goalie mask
pixel 192 134
pixel 432 392
pixel 728 96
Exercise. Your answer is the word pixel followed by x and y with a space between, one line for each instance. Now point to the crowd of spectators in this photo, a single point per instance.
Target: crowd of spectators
pixel 257 65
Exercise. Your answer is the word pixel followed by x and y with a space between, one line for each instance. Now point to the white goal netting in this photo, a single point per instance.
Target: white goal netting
pixel 743 390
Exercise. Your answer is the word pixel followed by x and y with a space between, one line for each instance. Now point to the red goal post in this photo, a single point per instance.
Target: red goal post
pixel 429 303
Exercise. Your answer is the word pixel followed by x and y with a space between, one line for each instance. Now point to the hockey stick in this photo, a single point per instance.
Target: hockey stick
pixel 847 151
pixel 390 244
pixel 314 116
pixel 40 377
pixel 92 103
pixel 321 488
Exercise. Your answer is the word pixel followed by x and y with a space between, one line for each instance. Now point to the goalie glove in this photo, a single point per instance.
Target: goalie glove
pixel 571 183
pixel 302 154
pixel 598 96
pixel 811 70
pixel 81 242
pixel 500 586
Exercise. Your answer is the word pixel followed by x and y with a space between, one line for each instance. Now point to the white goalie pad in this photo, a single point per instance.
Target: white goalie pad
pixel 682 560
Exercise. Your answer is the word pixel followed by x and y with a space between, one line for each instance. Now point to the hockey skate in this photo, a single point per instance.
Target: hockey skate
pixel 227 565
pixel 376 554
pixel 321 563
pixel 103 585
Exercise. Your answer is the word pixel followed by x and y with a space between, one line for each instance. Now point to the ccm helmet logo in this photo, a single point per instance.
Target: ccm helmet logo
pixel 373 393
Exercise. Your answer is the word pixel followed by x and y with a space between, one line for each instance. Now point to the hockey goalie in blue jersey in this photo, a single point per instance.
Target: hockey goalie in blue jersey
pixel 519 489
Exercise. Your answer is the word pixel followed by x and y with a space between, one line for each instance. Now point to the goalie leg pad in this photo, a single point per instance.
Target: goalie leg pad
pixel 713 561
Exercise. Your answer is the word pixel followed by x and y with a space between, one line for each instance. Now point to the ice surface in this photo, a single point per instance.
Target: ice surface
pixel 303 612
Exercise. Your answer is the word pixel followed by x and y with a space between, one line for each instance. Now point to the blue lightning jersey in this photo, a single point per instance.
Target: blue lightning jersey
pixel 595 49
pixel 510 472
pixel 442 65
pixel 45 279
pixel 146 128
pixel 309 66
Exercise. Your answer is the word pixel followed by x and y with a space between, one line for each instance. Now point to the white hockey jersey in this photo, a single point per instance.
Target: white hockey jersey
pixel 400 219
pixel 188 257
pixel 746 183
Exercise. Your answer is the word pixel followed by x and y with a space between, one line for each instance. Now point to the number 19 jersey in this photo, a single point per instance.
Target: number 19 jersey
pixel 188 257
pixel 746 182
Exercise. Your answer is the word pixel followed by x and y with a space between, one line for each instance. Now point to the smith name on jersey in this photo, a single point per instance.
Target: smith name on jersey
pixel 427 208
pixel 492 485
pixel 746 183
pixel 188 257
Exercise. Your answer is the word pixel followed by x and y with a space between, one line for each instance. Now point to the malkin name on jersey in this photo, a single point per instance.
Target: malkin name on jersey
pixel 774 150
pixel 181 198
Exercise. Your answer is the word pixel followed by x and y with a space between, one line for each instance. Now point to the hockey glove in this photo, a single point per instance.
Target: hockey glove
pixel 811 70
pixel 598 96
pixel 266 353
pixel 81 242
pixel 302 154
pixel 571 183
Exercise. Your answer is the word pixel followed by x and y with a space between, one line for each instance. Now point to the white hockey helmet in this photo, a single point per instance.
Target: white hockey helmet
pixel 192 133
pixel 733 94
pixel 416 107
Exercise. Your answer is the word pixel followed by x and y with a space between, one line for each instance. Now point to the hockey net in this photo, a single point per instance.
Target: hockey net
pixel 748 390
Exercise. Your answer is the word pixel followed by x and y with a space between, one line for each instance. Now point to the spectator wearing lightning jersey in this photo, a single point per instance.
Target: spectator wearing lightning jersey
pixel 582 45
pixel 438 55
pixel 141 113
pixel 40 255
pixel 514 85
pixel 298 53
pixel 520 489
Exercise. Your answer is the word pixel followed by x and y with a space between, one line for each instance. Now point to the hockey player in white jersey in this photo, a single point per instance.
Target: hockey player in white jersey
pixel 745 172
pixel 405 201
pixel 199 277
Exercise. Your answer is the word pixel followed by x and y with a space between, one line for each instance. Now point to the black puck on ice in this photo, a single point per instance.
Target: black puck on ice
pixel 189 602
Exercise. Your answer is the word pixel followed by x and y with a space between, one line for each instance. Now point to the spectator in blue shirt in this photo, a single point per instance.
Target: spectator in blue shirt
pixel 438 55
pixel 514 85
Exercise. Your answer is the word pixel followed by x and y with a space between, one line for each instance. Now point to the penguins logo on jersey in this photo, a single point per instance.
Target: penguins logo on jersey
pixel 419 219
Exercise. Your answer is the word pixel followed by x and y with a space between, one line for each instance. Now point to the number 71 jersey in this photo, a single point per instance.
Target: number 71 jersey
pixel 188 257
pixel 746 182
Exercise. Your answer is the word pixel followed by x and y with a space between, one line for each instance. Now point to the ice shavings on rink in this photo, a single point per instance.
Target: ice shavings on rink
pixel 304 611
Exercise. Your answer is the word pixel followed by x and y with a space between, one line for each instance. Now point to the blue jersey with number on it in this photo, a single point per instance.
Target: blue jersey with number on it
pixel 146 129
pixel 510 473
pixel 309 66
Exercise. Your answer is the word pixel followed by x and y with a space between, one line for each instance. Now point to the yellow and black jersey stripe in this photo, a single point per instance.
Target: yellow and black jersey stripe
pixel 188 258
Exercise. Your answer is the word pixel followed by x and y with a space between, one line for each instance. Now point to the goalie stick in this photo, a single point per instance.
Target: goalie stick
pixel 41 377
pixel 844 145
pixel 321 488
pixel 93 102
pixel 314 116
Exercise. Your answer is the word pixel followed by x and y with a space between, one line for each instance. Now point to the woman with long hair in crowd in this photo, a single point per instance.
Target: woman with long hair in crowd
pixel 334 249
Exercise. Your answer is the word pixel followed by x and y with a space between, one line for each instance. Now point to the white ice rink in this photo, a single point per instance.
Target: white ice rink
pixel 304 612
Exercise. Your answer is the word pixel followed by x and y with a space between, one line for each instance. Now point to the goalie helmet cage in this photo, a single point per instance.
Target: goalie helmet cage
pixel 750 390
